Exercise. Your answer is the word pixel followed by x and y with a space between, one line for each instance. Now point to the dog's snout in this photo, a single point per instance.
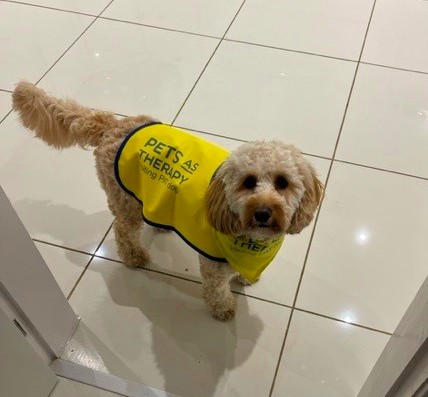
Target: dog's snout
pixel 262 214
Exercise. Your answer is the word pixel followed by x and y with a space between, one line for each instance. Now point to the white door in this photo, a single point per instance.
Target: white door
pixel 27 283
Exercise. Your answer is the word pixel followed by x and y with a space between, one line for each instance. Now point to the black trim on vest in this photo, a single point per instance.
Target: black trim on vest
pixel 148 221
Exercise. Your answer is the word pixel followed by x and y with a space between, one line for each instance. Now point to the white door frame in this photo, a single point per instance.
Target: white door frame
pixel 29 287
pixel 403 363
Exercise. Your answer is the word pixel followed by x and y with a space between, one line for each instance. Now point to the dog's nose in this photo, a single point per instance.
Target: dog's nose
pixel 262 214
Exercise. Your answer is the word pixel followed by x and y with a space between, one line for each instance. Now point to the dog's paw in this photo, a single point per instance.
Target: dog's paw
pixel 138 257
pixel 225 310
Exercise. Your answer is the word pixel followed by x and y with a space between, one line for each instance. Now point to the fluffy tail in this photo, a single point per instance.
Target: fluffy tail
pixel 60 123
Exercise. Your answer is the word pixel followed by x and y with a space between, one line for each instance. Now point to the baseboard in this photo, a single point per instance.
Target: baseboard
pixel 105 381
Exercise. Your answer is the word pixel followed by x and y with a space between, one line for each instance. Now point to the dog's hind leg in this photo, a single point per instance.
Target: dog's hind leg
pixel 127 230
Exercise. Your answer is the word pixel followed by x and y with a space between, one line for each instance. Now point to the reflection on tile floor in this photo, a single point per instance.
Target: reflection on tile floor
pixel 275 75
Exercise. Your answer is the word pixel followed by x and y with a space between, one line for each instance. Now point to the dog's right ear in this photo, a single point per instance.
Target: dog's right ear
pixel 219 215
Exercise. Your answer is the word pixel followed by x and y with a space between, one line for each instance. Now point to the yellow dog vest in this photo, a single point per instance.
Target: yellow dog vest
pixel 168 171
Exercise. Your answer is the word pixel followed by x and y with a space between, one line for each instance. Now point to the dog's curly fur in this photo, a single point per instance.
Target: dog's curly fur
pixel 263 190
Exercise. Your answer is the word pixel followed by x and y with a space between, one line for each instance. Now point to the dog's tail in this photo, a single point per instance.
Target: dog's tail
pixel 60 123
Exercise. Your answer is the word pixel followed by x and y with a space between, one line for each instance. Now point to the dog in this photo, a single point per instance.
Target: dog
pixel 236 213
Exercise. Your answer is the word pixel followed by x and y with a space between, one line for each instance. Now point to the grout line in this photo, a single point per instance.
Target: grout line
pixel 51 394
pixel 291 50
pixel 74 42
pixel 319 210
pixel 118 114
pixel 159 27
pixel 353 83
pixel 305 153
pixel 247 295
pixel 242 140
pixel 7 114
pixel 206 65
pixel 48 7
pixel 342 321
pixel 281 352
pixel 333 157
pixel 62 246
pixel 393 67
pixel 89 262
pixel 312 155
pixel 208 36
pixel 381 169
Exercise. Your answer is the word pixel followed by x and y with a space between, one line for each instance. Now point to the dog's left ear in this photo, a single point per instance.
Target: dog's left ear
pixel 314 192
pixel 218 212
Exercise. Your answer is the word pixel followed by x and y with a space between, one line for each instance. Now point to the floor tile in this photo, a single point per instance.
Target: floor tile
pixel 367 259
pixel 152 322
pixel 325 358
pixel 5 104
pixel 398 35
pixel 65 265
pixel 70 388
pixel 171 255
pixel 93 7
pixel 197 16
pixel 250 92
pixel 131 69
pixel 55 193
pixel 29 48
pixel 387 121
pixel 328 27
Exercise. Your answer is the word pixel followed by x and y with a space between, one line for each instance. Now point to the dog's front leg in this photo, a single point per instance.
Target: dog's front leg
pixel 216 277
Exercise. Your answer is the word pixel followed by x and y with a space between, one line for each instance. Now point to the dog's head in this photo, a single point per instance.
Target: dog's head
pixel 263 190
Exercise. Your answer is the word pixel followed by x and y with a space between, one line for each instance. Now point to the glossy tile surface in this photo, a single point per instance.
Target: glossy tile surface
pixel 55 193
pixel 196 16
pixel 328 27
pixel 326 358
pixel 93 7
pixel 362 262
pixel 367 259
pixel 387 121
pixel 25 54
pixel 398 35
pixel 146 324
pixel 131 69
pixel 265 93
pixel 65 265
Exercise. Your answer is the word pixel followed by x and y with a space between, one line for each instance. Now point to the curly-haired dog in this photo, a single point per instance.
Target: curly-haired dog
pixel 233 208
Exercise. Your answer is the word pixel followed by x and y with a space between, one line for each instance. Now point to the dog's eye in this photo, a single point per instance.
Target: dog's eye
pixel 250 182
pixel 281 182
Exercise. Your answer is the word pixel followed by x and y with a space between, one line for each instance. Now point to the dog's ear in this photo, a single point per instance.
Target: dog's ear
pixel 314 192
pixel 219 215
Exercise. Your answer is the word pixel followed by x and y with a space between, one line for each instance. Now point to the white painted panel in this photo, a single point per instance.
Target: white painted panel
pixel 30 283
pixel 22 371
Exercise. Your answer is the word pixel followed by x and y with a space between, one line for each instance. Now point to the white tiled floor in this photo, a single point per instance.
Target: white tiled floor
pixel 334 28
pixel 366 258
